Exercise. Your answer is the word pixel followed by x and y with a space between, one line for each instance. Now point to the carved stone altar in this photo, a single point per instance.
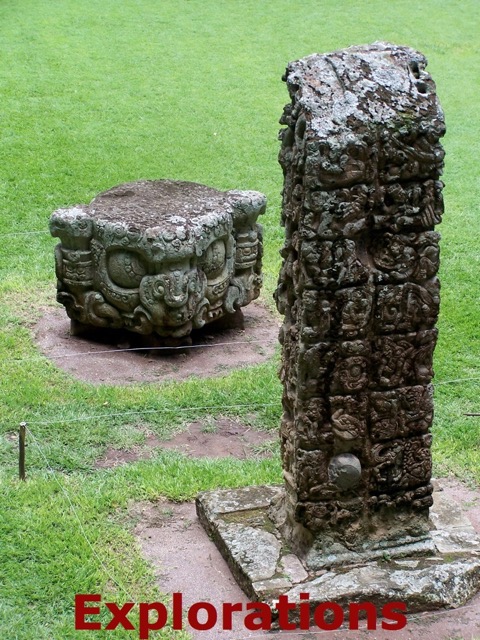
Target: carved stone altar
pixel 158 257
pixel 358 290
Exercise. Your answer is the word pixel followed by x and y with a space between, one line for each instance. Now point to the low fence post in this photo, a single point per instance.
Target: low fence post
pixel 21 450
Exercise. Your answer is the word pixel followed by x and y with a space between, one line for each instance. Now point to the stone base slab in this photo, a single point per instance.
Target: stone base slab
pixel 265 567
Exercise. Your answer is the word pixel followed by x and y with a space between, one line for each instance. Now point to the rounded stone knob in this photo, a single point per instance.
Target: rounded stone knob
pixel 344 471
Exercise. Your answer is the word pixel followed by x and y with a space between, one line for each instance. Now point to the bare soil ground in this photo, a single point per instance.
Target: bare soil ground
pixel 120 357
pixel 219 438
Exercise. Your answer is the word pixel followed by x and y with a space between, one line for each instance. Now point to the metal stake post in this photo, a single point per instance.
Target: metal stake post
pixel 21 452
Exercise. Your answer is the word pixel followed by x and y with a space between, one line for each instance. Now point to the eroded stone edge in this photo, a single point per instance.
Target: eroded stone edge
pixel 447 580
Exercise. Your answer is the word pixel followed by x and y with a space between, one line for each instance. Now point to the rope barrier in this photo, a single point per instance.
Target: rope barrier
pixel 80 523
pixel 23 233
pixel 150 411
pixel 181 348
pixel 127 349
pixel 457 380
pixel 184 348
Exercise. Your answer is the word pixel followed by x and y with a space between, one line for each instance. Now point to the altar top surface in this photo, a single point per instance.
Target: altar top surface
pixel 147 203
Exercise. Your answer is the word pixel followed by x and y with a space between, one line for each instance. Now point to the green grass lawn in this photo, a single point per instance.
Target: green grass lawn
pixel 95 94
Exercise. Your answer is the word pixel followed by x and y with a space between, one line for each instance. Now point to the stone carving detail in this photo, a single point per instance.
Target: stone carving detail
pixel 158 257
pixel 358 290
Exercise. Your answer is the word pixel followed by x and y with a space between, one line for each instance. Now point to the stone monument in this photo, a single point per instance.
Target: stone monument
pixel 358 289
pixel 159 258
pixel 361 160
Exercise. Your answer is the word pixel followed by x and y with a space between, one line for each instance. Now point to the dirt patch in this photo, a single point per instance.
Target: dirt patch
pixel 173 540
pixel 219 438
pixel 119 357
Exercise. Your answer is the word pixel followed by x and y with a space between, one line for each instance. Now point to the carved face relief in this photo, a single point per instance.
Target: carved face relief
pixel 73 227
pixel 407 307
pixel 340 164
pixel 247 250
pixel 356 311
pixel 385 415
pixel 407 155
pixel 126 268
pixel 339 213
pixel 394 256
pixel 171 297
pixel 167 298
pixel 315 316
pixel 350 374
pixel 348 417
pixel 311 472
pixel 312 428
pixel 217 265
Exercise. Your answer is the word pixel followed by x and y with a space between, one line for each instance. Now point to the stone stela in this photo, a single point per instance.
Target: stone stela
pixel 159 258
pixel 359 293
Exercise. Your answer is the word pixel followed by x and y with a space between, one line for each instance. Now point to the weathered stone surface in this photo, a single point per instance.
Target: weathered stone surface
pixel 293 569
pixel 238 500
pixel 254 547
pixel 266 590
pixel 452 532
pixel 238 522
pixel 432 587
pixel 446 577
pixel 158 257
pixel 358 290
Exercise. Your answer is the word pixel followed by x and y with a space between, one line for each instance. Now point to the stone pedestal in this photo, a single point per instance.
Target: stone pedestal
pixel 358 290
pixel 445 573
pixel 158 257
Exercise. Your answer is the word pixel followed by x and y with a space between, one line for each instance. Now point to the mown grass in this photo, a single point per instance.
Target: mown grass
pixel 98 94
